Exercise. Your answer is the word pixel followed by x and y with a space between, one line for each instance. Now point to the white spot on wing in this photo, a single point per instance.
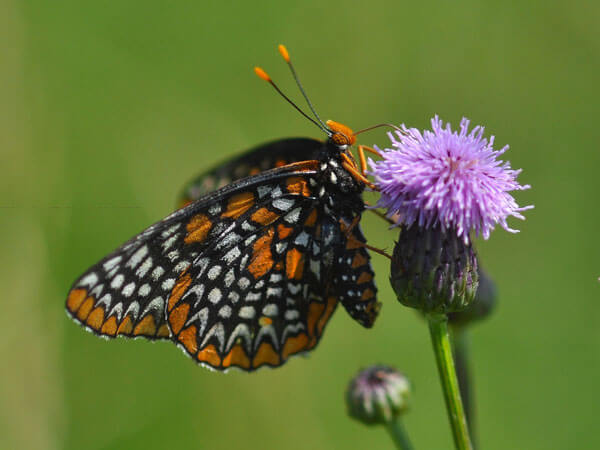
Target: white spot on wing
pixel 247 312
pixel 214 272
pixel 89 280
pixel 108 265
pixel 283 203
pixel 106 299
pixel 218 331
pixel 292 216
pixel 157 273
pixel 268 330
pixel 157 304
pixel 168 284
pixel 144 268
pixel 117 281
pixel 240 331
pixel 302 239
pixel 128 290
pixel 169 242
pixel 270 310
pixel 137 257
pixel 215 295
pixel 144 290
pixel 225 311
pixel 291 314
pixel 232 255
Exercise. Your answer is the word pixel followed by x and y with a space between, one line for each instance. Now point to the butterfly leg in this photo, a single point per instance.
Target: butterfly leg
pixel 381 215
pixel 347 229
pixel 363 159
pixel 355 173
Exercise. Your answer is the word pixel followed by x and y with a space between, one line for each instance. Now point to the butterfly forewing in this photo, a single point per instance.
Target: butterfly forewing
pixel 126 292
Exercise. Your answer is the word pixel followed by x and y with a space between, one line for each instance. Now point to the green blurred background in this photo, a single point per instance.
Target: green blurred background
pixel 108 107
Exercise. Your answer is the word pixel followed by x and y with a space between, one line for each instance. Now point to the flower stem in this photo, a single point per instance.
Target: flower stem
pixel 461 341
pixel 438 327
pixel 398 434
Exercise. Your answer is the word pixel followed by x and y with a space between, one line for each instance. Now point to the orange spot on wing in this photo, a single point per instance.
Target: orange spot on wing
pixel 264 216
pixel 279 266
pixel 280 162
pixel 265 354
pixel 294 264
pixel 365 277
pixel 126 327
pixel 283 231
pixel 294 345
pixel 254 171
pixel 262 258
pixel 75 299
pixel 146 327
pixel 188 338
pixel 110 326
pixel 359 260
pixel 315 310
pixel 331 304
pixel 95 319
pixel 209 355
pixel 238 205
pixel 311 219
pixel 178 316
pixel 179 289
pixel 85 309
pixel 237 357
pixel 367 294
pixel 264 321
pixel 297 185
pixel 198 228
pixel 163 331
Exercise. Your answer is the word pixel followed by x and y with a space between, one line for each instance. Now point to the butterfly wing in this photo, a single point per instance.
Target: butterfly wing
pixel 125 293
pixel 252 162
pixel 353 277
pixel 261 292
pixel 241 275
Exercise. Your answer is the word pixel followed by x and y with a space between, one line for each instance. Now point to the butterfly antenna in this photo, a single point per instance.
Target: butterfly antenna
pixel 286 56
pixel 395 127
pixel 265 76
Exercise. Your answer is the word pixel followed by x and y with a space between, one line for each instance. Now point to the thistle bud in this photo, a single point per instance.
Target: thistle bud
pixel 377 395
pixel 434 270
pixel 483 304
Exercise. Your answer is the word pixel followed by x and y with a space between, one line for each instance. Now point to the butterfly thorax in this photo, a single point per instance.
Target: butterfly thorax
pixel 339 190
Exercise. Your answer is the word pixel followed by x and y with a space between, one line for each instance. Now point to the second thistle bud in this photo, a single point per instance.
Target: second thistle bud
pixel 434 270
pixel 377 395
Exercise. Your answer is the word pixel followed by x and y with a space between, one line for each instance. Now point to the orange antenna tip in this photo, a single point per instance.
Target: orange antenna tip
pixel 284 53
pixel 262 74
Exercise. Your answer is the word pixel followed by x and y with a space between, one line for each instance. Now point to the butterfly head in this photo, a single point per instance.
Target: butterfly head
pixel 340 134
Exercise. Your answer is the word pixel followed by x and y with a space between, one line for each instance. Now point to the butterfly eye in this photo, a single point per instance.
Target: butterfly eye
pixel 341 139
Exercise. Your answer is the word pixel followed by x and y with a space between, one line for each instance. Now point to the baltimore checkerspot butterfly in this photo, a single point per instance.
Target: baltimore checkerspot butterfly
pixel 249 274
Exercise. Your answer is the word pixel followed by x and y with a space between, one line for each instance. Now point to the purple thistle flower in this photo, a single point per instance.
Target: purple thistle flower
pixel 446 178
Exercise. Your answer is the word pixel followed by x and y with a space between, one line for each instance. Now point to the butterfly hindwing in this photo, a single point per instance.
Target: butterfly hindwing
pixel 259 295
pixel 353 278
pixel 252 162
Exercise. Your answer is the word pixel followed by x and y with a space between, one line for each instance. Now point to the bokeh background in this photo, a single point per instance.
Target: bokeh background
pixel 108 107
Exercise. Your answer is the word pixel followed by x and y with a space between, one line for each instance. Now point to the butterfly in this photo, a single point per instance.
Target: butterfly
pixel 249 274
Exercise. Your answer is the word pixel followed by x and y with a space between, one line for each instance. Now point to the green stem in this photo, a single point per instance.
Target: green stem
pixel 460 341
pixel 438 327
pixel 398 434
